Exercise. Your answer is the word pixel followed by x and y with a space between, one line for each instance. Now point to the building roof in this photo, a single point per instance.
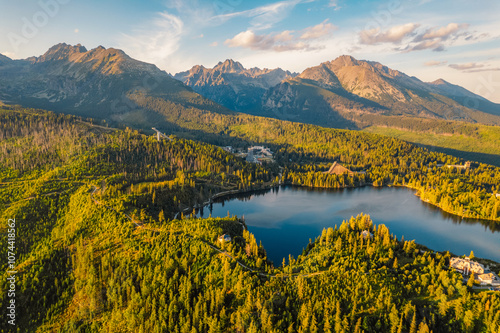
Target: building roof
pixel 487 276
pixel 338 169
pixel 461 264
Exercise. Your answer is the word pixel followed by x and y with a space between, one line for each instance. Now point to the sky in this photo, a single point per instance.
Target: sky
pixel 458 41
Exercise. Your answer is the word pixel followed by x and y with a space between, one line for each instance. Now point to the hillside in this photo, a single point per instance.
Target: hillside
pixel 468 141
pixel 98 248
pixel 464 97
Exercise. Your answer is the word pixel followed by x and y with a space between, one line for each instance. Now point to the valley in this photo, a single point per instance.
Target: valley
pixel 108 232
pixel 82 243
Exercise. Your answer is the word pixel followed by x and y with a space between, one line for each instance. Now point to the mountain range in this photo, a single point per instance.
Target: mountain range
pixel 338 90
pixel 106 83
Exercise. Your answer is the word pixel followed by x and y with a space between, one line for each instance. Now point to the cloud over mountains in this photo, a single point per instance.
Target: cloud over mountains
pixel 413 37
pixel 283 41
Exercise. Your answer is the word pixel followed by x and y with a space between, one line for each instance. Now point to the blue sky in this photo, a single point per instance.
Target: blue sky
pixel 458 40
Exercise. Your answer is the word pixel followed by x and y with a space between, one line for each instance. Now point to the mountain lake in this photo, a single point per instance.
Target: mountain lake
pixel 285 218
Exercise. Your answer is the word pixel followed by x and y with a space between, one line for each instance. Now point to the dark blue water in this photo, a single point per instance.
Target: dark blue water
pixel 285 219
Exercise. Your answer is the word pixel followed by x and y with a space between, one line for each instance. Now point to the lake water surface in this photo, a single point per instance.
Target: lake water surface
pixel 285 218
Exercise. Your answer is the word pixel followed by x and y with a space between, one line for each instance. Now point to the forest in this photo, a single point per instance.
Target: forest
pixel 101 247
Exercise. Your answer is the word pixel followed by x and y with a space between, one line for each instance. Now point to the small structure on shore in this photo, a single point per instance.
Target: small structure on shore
pixel 464 167
pixel 338 169
pixel 224 238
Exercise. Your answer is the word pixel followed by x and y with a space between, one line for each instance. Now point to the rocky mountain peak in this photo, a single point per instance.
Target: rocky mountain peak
pixel 106 61
pixel 440 82
pixel 229 66
pixel 345 60
pixel 61 51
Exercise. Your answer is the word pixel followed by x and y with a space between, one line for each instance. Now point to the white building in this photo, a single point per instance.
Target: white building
pixel 466 266
pixel 489 278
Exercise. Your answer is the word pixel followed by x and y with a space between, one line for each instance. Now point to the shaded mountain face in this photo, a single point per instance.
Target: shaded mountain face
pixel 4 60
pixel 464 97
pixel 96 83
pixel 230 84
pixel 346 88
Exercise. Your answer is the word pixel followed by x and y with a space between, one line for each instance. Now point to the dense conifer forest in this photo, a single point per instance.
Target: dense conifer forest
pixel 106 242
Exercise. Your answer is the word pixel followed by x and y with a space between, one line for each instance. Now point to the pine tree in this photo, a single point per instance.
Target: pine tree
pixel 413 326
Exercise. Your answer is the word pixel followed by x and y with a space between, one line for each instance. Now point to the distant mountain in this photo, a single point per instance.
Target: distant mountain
pixel 230 84
pixel 4 60
pixel 346 88
pixel 464 97
pixel 99 83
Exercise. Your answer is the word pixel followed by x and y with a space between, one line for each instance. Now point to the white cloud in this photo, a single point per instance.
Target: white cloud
pixel 283 41
pixel 76 30
pixel 214 44
pixel 435 44
pixel 156 41
pixel 473 67
pixel 435 38
pixel 263 17
pixel 467 66
pixel 280 42
pixel 413 37
pixel 334 4
pixel 434 63
pixel 318 31
pixel 444 32
pixel 198 12
pixel 393 35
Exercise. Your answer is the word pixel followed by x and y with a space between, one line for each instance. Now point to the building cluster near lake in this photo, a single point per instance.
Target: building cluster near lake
pixel 254 154
pixel 259 154
pixel 469 267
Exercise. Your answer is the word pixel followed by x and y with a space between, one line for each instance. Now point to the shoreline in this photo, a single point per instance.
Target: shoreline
pixel 269 187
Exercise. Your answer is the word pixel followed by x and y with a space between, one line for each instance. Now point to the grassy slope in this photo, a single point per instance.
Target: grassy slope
pixel 484 141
